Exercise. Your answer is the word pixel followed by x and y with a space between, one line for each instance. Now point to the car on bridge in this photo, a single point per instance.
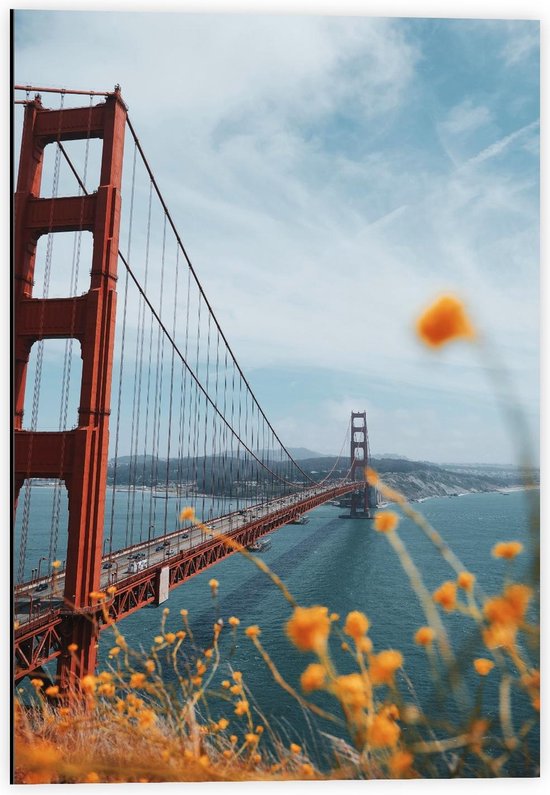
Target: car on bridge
pixel 159 548
pixel 108 565
pixel 135 566
pixel 169 552
pixel 141 556
pixel 185 536
pixel 42 587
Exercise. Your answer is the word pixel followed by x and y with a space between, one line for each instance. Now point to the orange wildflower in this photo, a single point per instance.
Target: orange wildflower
pixel 187 513
pixel 364 645
pixel 390 711
pixel 383 732
pixel 234 622
pixel 400 764
pixel 371 476
pixel 350 691
pixel 253 631
pixel 313 678
pixel 56 564
pixel 483 666
pixel 499 636
pixel 53 690
pixel 356 625
pixel 241 707
pixel 444 320
pixel 507 549
pixel 296 749
pixel 424 636
pixel 137 680
pixel 465 580
pixel 251 738
pixel 309 628
pixel 88 683
pixel 384 665
pixel 72 647
pixel 446 595
pixel 307 769
pixel 508 609
pixel 223 723
pixel 170 637
pixel 385 521
pixel 213 583
pixel 107 689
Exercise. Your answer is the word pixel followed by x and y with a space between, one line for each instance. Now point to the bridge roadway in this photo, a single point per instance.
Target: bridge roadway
pixel 175 557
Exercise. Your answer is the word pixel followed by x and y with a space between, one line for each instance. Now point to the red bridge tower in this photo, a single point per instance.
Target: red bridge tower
pixel 360 502
pixel 79 456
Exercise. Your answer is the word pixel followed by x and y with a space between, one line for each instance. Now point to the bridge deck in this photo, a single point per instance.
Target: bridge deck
pixel 185 552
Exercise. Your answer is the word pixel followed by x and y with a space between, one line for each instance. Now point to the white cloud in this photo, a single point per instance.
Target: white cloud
pixel 465 118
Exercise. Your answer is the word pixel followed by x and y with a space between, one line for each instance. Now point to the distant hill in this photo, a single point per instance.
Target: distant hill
pixel 420 479
pixel 302 453
pixel 225 474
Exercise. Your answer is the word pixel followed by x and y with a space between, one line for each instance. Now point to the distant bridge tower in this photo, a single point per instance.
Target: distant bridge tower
pixel 78 456
pixel 360 499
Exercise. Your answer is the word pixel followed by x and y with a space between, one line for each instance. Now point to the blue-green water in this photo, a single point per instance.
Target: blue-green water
pixel 346 565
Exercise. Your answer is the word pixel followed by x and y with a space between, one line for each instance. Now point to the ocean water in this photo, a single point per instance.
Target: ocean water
pixel 345 565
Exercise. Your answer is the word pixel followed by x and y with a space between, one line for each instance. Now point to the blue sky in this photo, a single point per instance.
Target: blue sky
pixel 329 177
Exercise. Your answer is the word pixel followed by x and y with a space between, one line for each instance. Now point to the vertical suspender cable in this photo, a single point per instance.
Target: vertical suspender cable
pixel 39 360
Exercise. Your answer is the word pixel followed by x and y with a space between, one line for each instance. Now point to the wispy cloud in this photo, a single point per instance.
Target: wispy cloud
pixel 465 117
pixel 498 147
pixel 522 42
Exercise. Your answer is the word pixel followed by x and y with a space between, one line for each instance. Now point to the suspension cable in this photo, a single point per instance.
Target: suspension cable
pixel 202 297
pixel 199 285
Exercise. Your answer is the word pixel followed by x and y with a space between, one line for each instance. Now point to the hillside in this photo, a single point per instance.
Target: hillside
pixel 416 479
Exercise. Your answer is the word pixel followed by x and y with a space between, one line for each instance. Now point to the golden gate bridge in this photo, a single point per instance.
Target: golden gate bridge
pixel 158 382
